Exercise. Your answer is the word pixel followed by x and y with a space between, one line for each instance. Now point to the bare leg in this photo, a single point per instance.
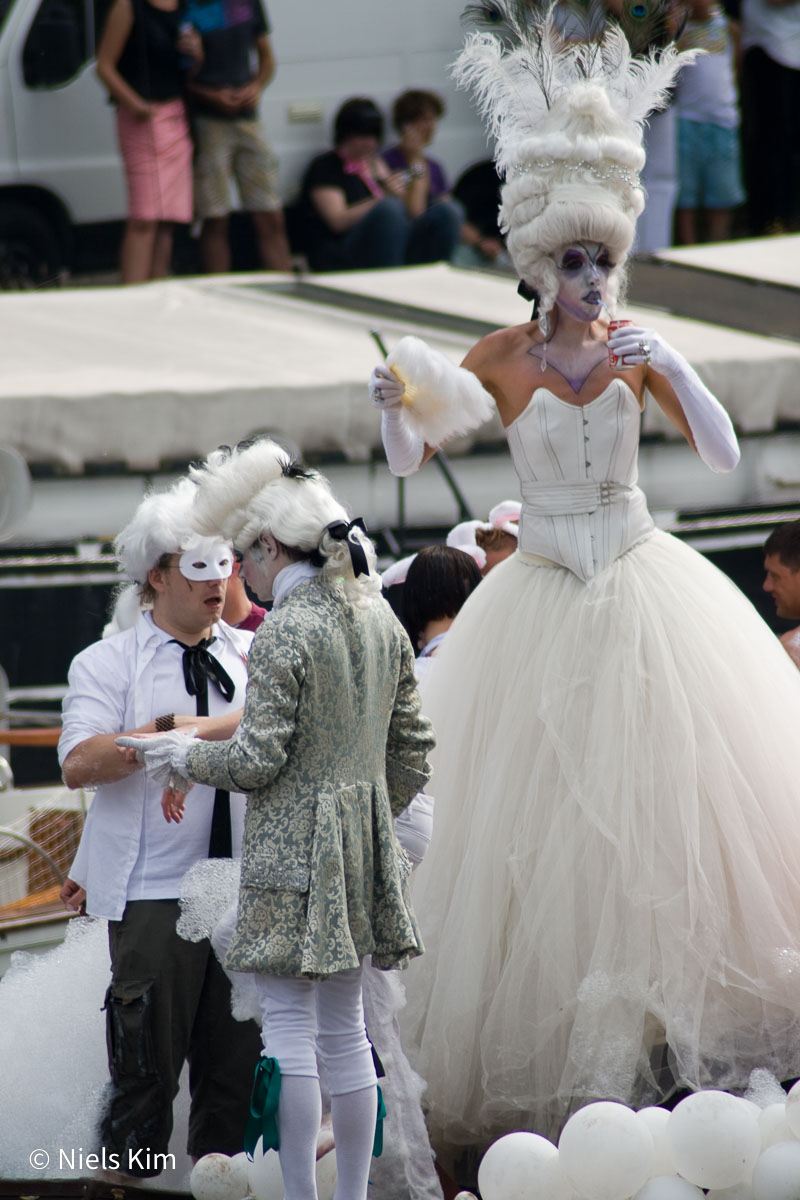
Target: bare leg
pixel 162 251
pixel 136 255
pixel 273 245
pixel 719 222
pixel 686 226
pixel 214 245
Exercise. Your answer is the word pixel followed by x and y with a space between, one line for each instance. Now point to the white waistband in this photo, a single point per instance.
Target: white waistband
pixel 557 499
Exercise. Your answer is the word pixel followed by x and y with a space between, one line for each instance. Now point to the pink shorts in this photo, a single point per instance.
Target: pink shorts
pixel 157 156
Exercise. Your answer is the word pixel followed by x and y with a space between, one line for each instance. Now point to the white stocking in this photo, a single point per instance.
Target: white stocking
pixel 299 1116
pixel 353 1116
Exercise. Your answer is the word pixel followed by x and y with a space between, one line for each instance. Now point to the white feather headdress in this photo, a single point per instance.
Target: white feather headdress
pixel 567 120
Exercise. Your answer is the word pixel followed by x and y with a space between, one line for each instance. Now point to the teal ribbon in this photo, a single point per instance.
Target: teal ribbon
pixel 264 1097
pixel 377 1145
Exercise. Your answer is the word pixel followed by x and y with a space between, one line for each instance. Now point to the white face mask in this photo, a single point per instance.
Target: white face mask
pixel 206 560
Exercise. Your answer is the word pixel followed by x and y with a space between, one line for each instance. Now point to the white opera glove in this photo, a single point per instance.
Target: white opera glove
pixel 404 449
pixel 164 756
pixel 711 427
pixel 385 389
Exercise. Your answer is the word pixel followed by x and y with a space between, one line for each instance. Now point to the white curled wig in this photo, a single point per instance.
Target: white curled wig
pixel 162 525
pixel 258 488
pixel 567 118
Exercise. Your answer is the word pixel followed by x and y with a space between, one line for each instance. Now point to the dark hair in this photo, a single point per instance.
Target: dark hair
pixel 358 116
pixel 785 542
pixel 413 104
pixel 438 582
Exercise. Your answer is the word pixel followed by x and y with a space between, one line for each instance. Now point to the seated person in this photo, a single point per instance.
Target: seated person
pixel 352 206
pixel 415 115
pixel 477 190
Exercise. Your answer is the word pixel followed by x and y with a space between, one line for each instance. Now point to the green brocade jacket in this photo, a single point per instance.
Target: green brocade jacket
pixel 331 746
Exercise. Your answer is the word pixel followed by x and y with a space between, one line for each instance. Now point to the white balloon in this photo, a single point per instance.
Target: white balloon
pixel 774 1126
pixel 264 1175
pixel 522 1166
pixel 605 1151
pixel 218 1177
pixel 777 1173
pixel 715 1139
pixel 669 1187
pixel 656 1121
pixel 793 1109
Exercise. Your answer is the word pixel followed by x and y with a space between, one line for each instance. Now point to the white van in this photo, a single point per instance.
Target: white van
pixel 60 174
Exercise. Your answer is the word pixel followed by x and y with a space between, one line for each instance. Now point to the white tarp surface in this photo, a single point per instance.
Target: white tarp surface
pixel 771 260
pixel 166 371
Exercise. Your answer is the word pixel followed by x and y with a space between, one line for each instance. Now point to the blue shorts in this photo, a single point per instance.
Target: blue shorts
pixel 709 173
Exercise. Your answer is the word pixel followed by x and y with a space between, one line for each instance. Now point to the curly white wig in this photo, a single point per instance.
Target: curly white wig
pixel 161 525
pixel 256 489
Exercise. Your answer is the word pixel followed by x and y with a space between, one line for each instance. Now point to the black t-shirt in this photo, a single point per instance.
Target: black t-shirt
pixel 319 242
pixel 150 62
pixel 229 29
pixel 478 189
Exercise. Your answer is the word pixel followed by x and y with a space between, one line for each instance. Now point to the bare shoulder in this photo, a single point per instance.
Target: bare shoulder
pixel 500 345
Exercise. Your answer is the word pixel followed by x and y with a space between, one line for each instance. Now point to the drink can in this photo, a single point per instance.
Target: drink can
pixel 614 360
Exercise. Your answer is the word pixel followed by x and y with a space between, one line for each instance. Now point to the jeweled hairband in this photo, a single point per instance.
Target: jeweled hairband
pixel 611 172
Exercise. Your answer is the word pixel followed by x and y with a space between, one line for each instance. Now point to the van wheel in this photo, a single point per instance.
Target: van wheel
pixel 31 254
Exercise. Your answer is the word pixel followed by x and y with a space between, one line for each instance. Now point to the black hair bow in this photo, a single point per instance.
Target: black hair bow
pixel 342 531
pixel 527 292
pixel 199 666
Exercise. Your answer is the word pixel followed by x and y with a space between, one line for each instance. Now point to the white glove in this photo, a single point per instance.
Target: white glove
pixel 711 426
pixel 385 389
pixel 404 449
pixel 164 756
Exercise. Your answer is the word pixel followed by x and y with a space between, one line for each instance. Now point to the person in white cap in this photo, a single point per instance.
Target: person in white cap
pixel 489 542
pixel 169 1000
pixel 331 746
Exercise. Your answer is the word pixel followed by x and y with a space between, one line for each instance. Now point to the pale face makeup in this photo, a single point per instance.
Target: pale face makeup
pixel 261 564
pixel 583 270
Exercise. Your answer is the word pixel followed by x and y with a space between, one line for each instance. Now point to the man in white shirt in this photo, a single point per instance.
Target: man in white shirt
pixel 782 580
pixel 169 1000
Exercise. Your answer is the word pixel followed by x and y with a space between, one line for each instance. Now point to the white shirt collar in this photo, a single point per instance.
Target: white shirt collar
pixel 288 578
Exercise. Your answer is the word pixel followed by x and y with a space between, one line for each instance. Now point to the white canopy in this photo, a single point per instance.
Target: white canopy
pixel 768 260
pixel 166 371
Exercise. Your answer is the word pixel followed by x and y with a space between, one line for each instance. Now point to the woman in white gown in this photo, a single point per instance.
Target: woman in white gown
pixel 610 902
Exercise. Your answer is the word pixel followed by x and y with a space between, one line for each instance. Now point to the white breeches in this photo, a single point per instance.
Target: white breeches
pixel 301 1018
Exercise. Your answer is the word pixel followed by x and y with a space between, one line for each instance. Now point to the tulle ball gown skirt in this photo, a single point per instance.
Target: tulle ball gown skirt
pixel 611 901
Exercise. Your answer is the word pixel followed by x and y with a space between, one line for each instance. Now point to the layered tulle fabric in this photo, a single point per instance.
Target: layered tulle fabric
pixel 611 901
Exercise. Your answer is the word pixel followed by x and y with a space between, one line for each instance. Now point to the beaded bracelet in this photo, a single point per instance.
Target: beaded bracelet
pixel 166 723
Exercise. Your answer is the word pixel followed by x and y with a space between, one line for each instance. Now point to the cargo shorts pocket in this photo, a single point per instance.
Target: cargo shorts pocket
pixel 129 1030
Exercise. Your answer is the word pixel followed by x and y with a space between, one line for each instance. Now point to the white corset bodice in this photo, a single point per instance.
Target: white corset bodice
pixel 578 469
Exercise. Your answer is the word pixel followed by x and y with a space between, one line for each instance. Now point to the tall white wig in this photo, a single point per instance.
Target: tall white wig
pixel 257 489
pixel 567 118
